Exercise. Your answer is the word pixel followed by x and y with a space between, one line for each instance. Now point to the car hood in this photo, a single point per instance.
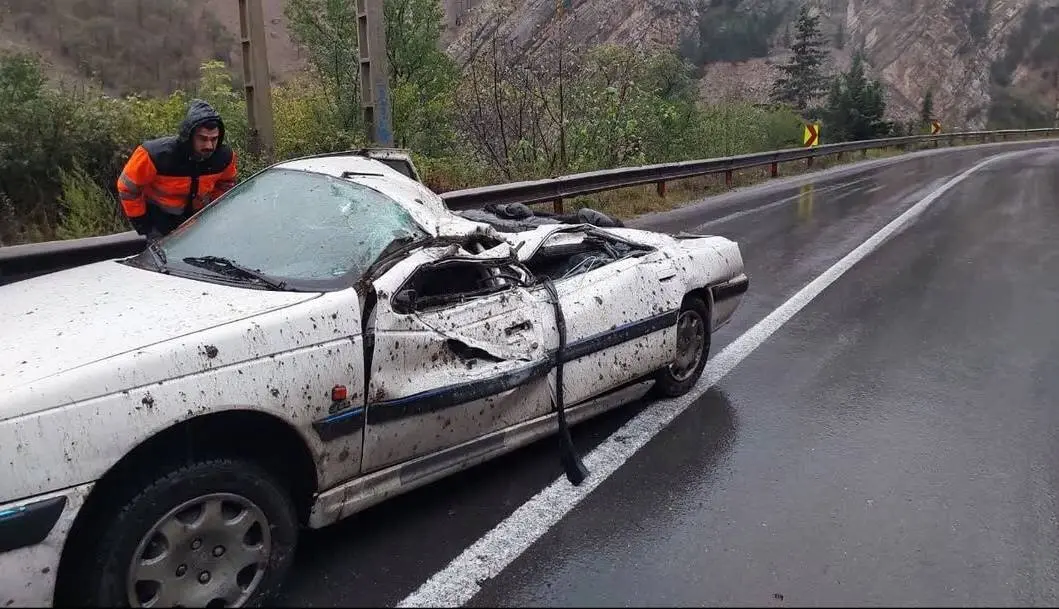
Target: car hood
pixel 65 320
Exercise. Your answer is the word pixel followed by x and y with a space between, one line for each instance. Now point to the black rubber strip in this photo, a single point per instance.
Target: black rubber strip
pixel 454 395
pixel 30 524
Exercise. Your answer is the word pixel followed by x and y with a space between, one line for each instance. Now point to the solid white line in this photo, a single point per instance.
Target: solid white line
pixel 458 582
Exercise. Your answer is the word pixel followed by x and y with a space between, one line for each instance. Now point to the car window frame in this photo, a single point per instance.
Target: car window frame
pixel 455 301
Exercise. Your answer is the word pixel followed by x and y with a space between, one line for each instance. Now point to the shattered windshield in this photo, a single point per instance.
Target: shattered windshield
pixel 293 226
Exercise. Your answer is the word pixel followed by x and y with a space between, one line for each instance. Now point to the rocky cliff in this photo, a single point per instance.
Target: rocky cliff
pixel 961 49
pixel 983 59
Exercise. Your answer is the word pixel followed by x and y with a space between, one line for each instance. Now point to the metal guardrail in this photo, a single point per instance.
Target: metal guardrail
pixel 557 189
pixel 24 261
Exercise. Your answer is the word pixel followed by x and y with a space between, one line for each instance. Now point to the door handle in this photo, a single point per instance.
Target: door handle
pixel 519 327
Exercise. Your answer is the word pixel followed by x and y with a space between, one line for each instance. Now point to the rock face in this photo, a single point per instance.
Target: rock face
pixel 948 47
pixel 530 26
pixel 977 56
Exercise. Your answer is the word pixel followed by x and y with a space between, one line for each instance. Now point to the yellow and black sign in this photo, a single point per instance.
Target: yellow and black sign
pixel 935 127
pixel 811 136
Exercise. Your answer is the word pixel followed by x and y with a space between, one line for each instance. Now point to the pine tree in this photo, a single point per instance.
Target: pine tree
pixel 802 79
pixel 856 106
pixel 926 113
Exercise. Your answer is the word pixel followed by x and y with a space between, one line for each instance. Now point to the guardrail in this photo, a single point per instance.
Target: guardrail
pixel 24 261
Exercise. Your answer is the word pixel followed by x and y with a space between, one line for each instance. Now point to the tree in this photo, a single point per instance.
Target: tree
pixel 856 106
pixel 802 79
pixel 327 30
pixel 423 78
pixel 926 113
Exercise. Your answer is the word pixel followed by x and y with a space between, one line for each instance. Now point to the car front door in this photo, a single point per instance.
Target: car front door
pixel 456 352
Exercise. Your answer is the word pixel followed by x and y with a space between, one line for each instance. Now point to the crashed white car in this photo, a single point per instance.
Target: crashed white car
pixel 325 336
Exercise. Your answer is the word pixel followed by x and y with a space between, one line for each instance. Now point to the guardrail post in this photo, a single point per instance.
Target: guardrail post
pixel 774 169
pixel 661 188
pixel 864 153
pixel 557 205
pixel 809 162
pixel 838 157
pixel 728 178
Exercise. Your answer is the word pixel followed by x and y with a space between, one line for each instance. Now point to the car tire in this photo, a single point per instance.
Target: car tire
pixel 202 527
pixel 693 349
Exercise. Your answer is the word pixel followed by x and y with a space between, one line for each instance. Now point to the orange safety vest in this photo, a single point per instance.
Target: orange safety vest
pixel 162 174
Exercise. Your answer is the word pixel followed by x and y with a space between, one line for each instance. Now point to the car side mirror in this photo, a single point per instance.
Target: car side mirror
pixel 405 300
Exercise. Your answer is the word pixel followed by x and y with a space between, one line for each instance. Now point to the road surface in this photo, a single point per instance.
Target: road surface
pixel 893 443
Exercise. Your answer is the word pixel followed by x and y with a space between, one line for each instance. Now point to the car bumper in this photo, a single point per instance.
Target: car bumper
pixel 726 299
pixel 32 534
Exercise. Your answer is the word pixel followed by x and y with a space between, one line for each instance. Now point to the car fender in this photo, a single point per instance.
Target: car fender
pixel 284 363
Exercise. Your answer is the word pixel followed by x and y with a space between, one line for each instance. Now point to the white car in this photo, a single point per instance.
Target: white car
pixel 325 336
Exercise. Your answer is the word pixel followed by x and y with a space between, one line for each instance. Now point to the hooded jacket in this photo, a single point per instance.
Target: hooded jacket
pixel 163 184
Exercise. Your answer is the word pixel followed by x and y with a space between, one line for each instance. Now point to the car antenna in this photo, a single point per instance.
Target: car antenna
pixel 576 472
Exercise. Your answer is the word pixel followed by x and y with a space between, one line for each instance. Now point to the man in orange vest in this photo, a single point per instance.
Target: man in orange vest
pixel 167 180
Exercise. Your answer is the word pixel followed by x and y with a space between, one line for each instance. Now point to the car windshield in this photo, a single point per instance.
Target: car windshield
pixel 292 227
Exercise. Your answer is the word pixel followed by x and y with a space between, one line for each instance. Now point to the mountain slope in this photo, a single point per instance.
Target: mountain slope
pixel 957 48
pixel 128 45
pixel 283 56
pixel 987 61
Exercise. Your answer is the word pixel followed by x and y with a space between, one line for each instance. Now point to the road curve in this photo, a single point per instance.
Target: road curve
pixel 891 444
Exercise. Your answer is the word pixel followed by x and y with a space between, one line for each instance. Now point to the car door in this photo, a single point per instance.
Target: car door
pixel 450 361
pixel 621 319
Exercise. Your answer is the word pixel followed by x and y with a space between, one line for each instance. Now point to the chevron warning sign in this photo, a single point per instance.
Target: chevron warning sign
pixel 935 127
pixel 811 137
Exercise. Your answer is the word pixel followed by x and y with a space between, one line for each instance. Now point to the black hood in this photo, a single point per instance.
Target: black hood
pixel 199 112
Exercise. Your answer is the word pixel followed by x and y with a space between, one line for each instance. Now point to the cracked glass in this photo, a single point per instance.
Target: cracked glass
pixel 296 225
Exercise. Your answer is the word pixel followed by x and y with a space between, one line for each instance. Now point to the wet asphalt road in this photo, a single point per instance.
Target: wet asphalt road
pixel 892 444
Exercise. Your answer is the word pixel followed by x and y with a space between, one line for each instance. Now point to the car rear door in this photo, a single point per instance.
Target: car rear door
pixel 449 363
pixel 621 321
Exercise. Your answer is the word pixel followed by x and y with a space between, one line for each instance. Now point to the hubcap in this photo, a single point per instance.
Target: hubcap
pixel 209 552
pixel 691 338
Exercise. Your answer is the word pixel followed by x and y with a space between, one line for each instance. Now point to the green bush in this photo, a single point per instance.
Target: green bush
pixel 61 149
pixel 44 131
pixel 88 208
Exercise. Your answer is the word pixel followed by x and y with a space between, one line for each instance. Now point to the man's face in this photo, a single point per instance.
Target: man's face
pixel 204 141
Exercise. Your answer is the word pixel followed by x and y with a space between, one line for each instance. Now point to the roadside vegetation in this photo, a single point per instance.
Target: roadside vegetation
pixel 500 118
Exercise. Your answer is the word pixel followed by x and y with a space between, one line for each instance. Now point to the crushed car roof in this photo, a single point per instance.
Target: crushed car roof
pixel 429 209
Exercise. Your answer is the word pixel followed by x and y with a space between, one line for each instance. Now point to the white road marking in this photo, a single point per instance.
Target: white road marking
pixel 458 582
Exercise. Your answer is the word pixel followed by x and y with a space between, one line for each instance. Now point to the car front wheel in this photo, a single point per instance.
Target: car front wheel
pixel 693 348
pixel 216 533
